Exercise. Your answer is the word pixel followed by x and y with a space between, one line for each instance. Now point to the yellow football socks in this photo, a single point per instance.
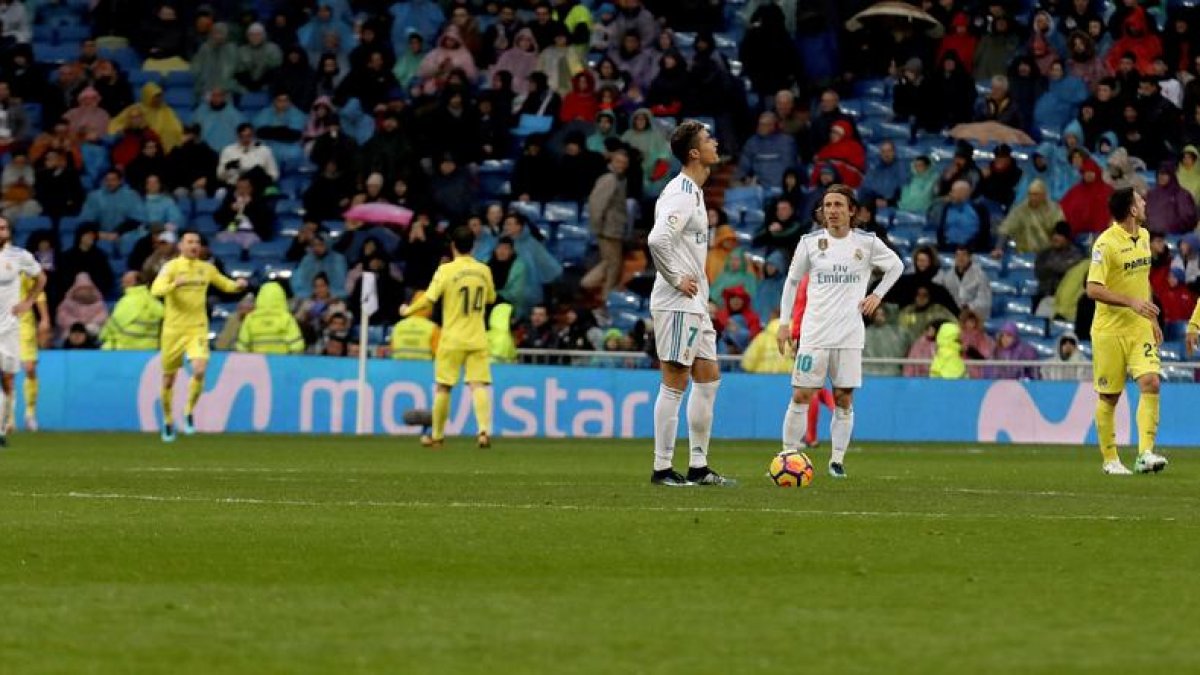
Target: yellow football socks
pixel 1106 429
pixel 482 399
pixel 31 395
pixel 195 388
pixel 168 394
pixel 441 413
pixel 1147 422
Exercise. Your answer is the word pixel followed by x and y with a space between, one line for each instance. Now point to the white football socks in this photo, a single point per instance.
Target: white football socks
pixel 700 419
pixel 839 433
pixel 795 422
pixel 666 425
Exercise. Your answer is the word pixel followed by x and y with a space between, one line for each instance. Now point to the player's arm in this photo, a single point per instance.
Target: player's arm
pixel 1193 331
pixel 31 268
pixel 43 310
pixel 796 273
pixel 664 240
pixel 222 282
pixel 165 281
pixel 491 286
pixel 884 259
pixel 429 298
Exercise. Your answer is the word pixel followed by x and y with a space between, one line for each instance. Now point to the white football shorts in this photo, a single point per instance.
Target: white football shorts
pixel 683 337
pixel 814 364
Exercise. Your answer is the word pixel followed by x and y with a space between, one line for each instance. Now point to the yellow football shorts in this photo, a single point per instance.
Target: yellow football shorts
pixel 448 363
pixel 193 344
pixel 29 342
pixel 1116 356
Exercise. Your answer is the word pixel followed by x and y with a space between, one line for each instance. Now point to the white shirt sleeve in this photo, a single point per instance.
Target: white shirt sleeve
pixel 796 274
pixel 885 259
pixel 663 241
pixel 29 265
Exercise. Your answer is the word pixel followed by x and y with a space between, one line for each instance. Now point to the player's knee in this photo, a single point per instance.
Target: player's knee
pixel 844 399
pixel 443 388
pixel 31 372
pixel 1150 384
pixel 802 396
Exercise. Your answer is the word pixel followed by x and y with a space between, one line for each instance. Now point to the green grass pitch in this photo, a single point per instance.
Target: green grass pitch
pixel 267 554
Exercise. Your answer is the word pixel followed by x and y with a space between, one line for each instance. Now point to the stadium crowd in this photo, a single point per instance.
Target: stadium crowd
pixel 543 126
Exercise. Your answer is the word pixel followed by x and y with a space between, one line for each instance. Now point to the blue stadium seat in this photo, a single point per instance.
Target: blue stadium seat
pixel 624 301
pixel 270 251
pixel 334 227
pixel 289 226
pixel 1003 287
pixel 531 210
pixel 207 207
pixel 1045 347
pixel 59 53
pixel 988 264
pixel 43 34
pixel 180 79
pixel 73 33
pixel 226 249
pixel 33 111
pixel 126 58
pixel 1020 261
pixel 140 77
pixel 205 226
pixel 747 197
pixel 571 243
pixel 909 219
pixel 67 227
pixel 624 321
pixel 1172 351
pixel 277 271
pixel 239 270
pixel 527 125
pixel 253 101
pixel 752 219
pixel 1176 330
pixel 288 206
pixel 903 237
pixel 31 223
pixel 179 98
pixel 561 212
pixel 1018 305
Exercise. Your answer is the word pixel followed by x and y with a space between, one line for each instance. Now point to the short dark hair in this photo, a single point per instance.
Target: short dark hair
pixel 683 139
pixel 463 240
pixel 245 126
pixel 1120 204
pixel 843 190
pixel 184 233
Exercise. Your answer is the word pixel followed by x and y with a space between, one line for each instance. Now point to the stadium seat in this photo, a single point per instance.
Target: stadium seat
pixel 1018 305
pixel 1045 347
pixel 1176 330
pixel 1003 287
pixel 73 33
pixel 207 207
pixel 624 321
pixel 624 300
pixel 126 58
pixel 1172 351
pixel 289 226
pixel 531 210
pixel 752 219
pixel 67 227
pixel 277 271
pixel 180 79
pixel 528 125
pixel 289 206
pixel 253 101
pixel 1020 261
pixel 226 249
pixel 747 197
pixel 43 34
pixel 32 223
pixel 571 243
pixel 180 99
pixel 270 251
pixel 561 212
pixel 34 112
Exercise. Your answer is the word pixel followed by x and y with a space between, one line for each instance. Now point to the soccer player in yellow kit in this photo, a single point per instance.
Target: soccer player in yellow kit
pixel 183 284
pixel 1125 332
pixel 465 287
pixel 31 328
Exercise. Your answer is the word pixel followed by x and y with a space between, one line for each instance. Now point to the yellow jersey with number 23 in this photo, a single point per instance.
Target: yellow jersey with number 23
pixel 1121 263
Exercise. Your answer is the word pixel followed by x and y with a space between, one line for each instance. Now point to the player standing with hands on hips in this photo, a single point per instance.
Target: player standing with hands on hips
pixel 684 335
pixel 1125 332
pixel 839 262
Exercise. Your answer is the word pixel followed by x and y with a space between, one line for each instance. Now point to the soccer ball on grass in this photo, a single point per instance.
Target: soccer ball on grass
pixel 791 469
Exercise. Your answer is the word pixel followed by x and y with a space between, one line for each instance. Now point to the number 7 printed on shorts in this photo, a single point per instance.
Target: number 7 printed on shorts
pixel 692 336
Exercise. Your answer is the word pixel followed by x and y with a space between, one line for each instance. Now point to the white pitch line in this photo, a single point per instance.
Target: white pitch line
pixel 255 501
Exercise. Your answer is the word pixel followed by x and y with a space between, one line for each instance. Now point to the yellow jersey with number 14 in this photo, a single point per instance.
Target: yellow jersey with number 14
pixel 465 287
pixel 1121 263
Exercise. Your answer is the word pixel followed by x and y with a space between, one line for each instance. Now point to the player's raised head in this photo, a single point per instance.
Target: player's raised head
pixel 1126 203
pixel 463 240
pixel 189 244
pixel 692 142
pixel 838 205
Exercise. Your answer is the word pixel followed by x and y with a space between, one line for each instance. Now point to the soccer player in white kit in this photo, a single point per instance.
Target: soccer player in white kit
pixel 684 335
pixel 839 262
pixel 14 263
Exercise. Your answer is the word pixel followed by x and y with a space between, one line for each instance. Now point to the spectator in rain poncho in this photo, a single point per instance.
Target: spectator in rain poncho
pixel 736 322
pixel 886 177
pixel 1188 172
pixel 423 16
pixel 512 278
pixel 520 60
pixel 923 349
pixel 947 358
pixel 1045 44
pixel 216 62
pixel 605 128
pixel 1085 206
pixel 918 193
pixel 736 272
pixel 83 303
pixel 1060 104
pixel 218 119
pixel 769 152
pixel 762 356
pixel 88 119
pixel 1137 38
pixel 1009 347
pixel 311 36
pixel 884 340
pixel 157 114
pixel 408 62
pixel 1031 222
pixel 544 268
pixel 257 59
pixel 770 288
pixel 976 344
pixel 450 54
pixel 560 62
pixel 1169 207
pixel 650 140
pixel 1067 353
pixel 1050 167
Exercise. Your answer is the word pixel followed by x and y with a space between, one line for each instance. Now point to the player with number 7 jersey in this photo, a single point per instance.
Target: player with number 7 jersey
pixel 465 288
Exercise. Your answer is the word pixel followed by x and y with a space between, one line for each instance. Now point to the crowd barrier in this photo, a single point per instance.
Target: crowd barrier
pixel 119 391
